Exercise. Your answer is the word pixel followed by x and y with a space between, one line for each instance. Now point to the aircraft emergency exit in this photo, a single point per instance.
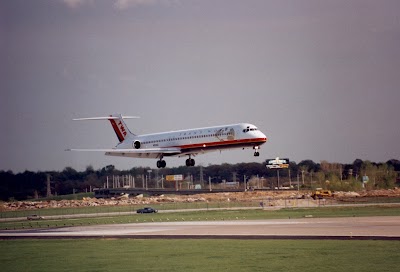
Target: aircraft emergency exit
pixel 190 142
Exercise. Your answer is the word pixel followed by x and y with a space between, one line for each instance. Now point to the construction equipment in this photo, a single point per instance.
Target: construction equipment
pixel 320 194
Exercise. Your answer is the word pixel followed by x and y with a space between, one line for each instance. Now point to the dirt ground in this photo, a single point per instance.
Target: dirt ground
pixel 251 196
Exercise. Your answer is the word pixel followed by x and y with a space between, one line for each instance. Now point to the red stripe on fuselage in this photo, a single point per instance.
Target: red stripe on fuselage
pixel 225 144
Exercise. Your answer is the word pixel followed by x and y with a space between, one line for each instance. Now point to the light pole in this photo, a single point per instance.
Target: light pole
pixel 209 181
pixel 278 177
pixel 148 171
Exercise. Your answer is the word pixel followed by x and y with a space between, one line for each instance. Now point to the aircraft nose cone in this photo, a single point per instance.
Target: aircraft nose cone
pixel 262 135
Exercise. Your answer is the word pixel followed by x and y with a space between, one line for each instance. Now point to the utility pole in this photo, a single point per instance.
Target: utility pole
pixel 341 175
pixel 278 178
pixel 201 175
pixel 298 181
pixel 157 180
pixel 149 179
pixel 48 186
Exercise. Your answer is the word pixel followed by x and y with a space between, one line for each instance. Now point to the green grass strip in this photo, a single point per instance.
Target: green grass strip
pixel 198 255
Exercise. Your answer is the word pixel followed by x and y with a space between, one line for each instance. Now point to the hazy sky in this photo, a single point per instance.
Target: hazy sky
pixel 320 78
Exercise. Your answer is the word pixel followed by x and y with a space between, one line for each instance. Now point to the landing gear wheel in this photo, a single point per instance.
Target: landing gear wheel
pixel 256 154
pixel 161 164
pixel 190 162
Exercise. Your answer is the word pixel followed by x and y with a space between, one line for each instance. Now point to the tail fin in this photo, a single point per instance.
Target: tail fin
pixel 117 122
pixel 121 129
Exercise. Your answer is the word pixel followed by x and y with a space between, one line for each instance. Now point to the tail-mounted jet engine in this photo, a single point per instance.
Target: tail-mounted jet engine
pixel 136 144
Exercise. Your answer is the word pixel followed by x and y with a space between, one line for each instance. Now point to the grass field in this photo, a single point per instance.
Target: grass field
pixel 210 215
pixel 199 255
pixel 202 255
pixel 125 208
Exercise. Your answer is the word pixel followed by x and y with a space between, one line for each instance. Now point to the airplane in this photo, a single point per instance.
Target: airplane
pixel 190 142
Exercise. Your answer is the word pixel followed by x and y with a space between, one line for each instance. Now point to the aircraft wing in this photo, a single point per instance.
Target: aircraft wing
pixel 144 152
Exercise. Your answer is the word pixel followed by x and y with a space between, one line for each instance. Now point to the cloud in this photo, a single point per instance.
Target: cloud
pixel 76 3
pixel 121 4
pixel 125 4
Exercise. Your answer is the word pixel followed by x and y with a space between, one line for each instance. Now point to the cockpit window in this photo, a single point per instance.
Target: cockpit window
pixel 249 129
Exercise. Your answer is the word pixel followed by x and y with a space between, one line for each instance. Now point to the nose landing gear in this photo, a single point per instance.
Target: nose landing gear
pixel 256 153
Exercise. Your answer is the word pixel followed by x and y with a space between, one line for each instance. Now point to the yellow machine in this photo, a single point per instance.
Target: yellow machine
pixel 322 194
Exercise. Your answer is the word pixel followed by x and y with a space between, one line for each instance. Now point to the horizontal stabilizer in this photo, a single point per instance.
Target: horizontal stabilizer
pixel 117 123
pixel 106 118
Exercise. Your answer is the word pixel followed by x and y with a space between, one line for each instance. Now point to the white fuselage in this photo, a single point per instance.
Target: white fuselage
pixel 189 142
pixel 194 141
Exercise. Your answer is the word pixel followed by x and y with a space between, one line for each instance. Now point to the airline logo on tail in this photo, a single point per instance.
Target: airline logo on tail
pixel 119 129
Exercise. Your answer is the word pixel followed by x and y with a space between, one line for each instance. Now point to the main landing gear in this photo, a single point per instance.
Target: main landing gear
pixel 161 163
pixel 256 153
pixel 190 162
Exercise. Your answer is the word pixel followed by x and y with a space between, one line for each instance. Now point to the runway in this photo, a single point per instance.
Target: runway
pixel 380 227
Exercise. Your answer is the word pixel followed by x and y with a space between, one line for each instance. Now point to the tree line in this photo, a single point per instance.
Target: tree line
pixel 309 175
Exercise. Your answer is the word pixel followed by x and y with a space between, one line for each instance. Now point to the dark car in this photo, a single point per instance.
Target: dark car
pixel 34 217
pixel 147 210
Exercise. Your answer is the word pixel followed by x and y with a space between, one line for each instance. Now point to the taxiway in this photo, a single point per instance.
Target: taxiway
pixel 379 227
